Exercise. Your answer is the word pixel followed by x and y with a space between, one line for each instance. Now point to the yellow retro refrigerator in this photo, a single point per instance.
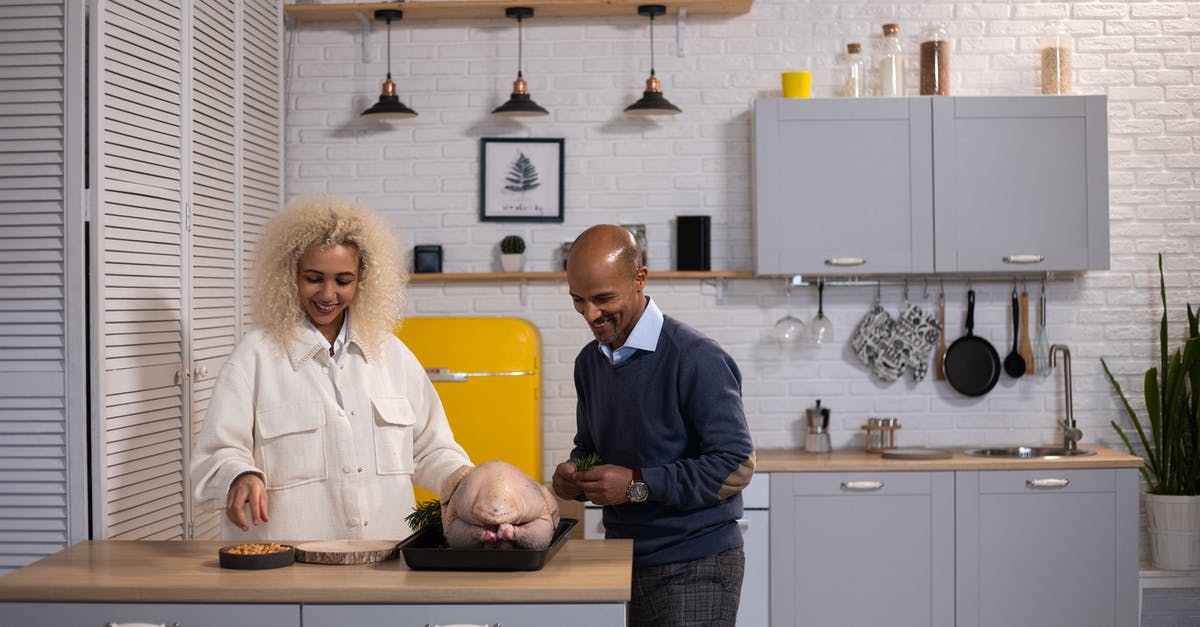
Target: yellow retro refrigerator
pixel 487 372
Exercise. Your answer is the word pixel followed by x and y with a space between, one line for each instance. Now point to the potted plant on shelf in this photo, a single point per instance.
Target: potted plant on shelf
pixel 512 253
pixel 1170 439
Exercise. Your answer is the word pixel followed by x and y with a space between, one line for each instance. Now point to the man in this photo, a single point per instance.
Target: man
pixel 661 405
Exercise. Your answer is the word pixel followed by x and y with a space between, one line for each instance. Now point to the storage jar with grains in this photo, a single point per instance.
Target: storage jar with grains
pixel 1056 59
pixel 891 62
pixel 856 71
pixel 935 61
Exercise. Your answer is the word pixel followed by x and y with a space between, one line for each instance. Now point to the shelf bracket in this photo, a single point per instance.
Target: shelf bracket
pixel 366 35
pixel 524 292
pixel 720 291
pixel 680 32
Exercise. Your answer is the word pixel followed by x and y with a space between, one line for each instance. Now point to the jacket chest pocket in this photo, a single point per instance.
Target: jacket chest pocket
pixel 394 419
pixel 292 444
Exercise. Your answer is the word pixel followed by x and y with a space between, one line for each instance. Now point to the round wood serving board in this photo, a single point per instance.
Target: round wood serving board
pixel 346 551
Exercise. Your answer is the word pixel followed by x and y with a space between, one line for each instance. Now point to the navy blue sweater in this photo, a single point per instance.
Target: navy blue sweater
pixel 676 413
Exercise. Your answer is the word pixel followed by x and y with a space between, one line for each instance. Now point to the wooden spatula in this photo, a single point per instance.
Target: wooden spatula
pixel 1026 349
pixel 939 372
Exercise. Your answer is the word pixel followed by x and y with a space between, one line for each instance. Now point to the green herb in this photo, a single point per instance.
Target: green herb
pixel 425 514
pixel 586 462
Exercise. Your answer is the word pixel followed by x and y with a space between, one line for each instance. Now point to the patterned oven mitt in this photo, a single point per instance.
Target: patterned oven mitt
pixel 915 335
pixel 872 335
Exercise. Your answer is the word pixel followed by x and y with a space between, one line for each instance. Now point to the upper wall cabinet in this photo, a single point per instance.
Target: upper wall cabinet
pixel 931 184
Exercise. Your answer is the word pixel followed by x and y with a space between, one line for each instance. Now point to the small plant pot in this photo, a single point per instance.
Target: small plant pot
pixel 512 262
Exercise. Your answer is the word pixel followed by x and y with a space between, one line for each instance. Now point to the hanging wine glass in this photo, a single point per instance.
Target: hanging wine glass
pixel 789 329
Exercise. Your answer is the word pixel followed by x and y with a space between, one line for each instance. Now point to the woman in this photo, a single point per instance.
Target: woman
pixel 321 420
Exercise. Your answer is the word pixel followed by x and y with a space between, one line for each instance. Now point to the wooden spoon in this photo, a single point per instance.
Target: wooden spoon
pixel 1014 364
pixel 1026 346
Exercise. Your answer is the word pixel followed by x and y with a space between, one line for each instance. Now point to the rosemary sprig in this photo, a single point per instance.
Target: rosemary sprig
pixel 425 514
pixel 586 462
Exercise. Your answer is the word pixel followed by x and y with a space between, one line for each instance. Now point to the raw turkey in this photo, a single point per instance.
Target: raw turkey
pixel 498 506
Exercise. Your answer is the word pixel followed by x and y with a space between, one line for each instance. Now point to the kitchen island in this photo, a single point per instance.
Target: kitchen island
pixel 97 582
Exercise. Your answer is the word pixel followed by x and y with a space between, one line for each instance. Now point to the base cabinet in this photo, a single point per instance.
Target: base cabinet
pixel 183 614
pixel 574 614
pixel 862 549
pixel 1047 547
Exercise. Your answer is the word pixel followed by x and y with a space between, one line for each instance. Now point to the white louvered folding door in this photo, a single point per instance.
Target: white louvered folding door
pixel 43 410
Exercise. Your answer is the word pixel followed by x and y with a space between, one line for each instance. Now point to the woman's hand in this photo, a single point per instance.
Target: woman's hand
pixel 247 488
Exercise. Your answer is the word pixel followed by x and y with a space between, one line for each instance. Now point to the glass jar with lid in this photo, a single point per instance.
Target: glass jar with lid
pixel 891 62
pixel 855 72
pixel 1056 46
pixel 935 61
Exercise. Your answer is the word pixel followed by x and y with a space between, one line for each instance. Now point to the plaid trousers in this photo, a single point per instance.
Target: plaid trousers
pixel 699 593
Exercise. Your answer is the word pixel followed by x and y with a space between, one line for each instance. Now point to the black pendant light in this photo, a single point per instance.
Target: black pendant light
pixel 389 105
pixel 652 101
pixel 520 104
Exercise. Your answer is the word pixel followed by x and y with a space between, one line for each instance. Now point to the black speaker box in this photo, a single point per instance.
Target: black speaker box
pixel 692 242
pixel 427 258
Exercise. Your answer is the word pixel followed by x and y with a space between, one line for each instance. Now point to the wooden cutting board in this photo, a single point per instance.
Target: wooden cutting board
pixel 346 551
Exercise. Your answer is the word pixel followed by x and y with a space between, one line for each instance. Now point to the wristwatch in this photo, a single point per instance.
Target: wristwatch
pixel 637 491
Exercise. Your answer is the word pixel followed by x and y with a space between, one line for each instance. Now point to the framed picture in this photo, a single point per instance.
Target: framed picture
pixel 521 179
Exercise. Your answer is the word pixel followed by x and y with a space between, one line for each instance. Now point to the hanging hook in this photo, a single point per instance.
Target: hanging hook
pixel 905 290
pixel 925 290
pixel 878 292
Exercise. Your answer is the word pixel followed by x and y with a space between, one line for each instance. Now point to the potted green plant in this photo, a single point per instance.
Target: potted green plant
pixel 1170 443
pixel 512 253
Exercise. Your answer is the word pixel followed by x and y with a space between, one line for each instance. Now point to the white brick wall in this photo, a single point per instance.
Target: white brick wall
pixel 423 173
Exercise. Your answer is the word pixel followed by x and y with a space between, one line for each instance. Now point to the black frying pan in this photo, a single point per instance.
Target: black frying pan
pixel 971 363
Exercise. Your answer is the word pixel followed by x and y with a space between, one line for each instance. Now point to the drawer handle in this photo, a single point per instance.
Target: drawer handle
pixel 862 486
pixel 140 625
pixel 845 261
pixel 1024 259
pixel 463 625
pixel 1047 484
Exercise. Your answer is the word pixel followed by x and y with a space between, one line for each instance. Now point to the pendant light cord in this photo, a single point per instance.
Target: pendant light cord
pixel 389 47
pixel 651 44
pixel 520 48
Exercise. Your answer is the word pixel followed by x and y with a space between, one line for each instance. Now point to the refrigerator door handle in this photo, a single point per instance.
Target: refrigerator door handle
pixel 445 374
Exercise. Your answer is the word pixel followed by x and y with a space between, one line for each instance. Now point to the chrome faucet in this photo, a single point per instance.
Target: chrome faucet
pixel 1071 435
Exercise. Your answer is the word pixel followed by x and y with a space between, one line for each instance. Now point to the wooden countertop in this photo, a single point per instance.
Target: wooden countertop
pixel 858 460
pixel 592 571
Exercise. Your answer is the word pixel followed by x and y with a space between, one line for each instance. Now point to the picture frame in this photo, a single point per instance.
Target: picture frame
pixel 521 179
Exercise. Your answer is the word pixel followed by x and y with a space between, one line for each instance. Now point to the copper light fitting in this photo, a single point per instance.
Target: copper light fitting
pixel 389 105
pixel 652 101
pixel 520 104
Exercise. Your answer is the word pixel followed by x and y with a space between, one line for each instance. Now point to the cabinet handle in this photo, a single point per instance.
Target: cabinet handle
pixel 1023 259
pixel 1047 484
pixel 140 625
pixel 463 625
pixel 862 486
pixel 845 261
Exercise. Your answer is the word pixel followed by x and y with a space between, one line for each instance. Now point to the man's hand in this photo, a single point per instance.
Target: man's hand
pixel 565 485
pixel 606 484
pixel 247 488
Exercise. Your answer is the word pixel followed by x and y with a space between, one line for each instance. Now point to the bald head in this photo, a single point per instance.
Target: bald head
pixel 605 278
pixel 609 246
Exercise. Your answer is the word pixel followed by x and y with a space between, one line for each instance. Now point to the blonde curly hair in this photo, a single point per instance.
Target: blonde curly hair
pixel 328 221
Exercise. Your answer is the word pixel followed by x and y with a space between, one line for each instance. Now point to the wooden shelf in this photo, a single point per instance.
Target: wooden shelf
pixel 463 277
pixel 473 9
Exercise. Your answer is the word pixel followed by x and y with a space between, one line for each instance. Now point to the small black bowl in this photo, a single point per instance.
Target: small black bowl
pixel 262 561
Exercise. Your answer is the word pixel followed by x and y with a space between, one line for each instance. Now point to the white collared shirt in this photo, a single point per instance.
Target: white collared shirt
pixel 643 337
pixel 338 346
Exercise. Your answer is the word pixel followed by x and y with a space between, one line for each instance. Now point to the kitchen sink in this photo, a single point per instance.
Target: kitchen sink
pixel 1024 452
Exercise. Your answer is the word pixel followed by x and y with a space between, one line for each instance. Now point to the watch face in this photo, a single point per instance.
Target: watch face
pixel 638 492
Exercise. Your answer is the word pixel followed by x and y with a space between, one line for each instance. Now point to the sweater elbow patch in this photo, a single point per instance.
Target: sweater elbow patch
pixel 738 479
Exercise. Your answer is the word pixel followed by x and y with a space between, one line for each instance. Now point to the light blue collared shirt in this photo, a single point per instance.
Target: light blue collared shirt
pixel 643 337
pixel 338 346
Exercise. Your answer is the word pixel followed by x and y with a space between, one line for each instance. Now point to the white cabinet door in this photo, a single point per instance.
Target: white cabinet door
pixel 843 186
pixel 1047 548
pixel 862 549
pixel 1020 184
pixel 167 614
pixel 574 614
